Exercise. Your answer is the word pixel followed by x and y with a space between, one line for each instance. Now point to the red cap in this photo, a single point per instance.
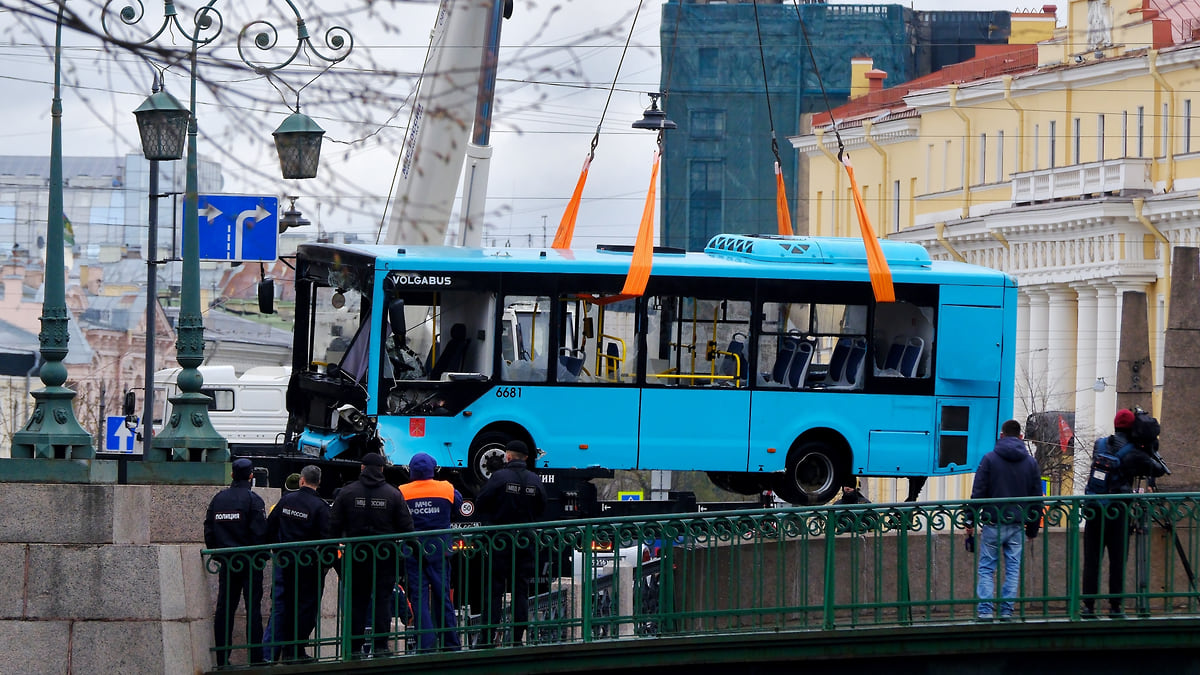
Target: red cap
pixel 1124 419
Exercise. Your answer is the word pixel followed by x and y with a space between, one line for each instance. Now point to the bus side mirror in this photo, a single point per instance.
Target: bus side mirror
pixel 395 312
pixel 128 404
pixel 266 296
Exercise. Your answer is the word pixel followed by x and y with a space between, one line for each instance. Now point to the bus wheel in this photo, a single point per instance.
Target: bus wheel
pixel 811 476
pixel 487 447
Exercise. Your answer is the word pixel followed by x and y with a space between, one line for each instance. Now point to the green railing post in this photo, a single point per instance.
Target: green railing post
pixel 588 583
pixel 828 621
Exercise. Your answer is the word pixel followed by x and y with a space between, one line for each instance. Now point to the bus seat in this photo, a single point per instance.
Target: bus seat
pixel 798 369
pixel 453 354
pixel 837 362
pixel 895 355
pixel 612 361
pixel 912 356
pixel 730 364
pixel 854 363
pixel 783 359
pixel 573 365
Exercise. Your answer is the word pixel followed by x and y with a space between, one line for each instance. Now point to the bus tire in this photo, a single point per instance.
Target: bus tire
pixel 485 446
pixel 812 475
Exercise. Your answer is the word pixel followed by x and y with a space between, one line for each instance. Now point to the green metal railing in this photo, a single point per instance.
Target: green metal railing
pixel 767 570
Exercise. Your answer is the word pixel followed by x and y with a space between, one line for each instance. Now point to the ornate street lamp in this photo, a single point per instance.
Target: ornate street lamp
pixel 298 142
pixel 162 123
pixel 188 445
pixel 53 432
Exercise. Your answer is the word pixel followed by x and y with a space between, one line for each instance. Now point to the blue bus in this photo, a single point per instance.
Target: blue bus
pixel 764 361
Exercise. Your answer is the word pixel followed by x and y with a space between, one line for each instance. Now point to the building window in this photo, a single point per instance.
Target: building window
pixel 1037 149
pixel 1053 142
pixel 896 206
pixel 1124 134
pixel 1099 138
pixel 1000 155
pixel 1075 158
pixel 945 166
pixel 982 159
pixel 1187 125
pixel 709 70
pixel 1165 131
pixel 929 168
pixel 704 203
pixel 1141 131
pixel 707 124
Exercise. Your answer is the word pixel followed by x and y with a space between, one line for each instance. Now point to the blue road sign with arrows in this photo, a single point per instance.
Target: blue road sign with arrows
pixel 119 438
pixel 238 228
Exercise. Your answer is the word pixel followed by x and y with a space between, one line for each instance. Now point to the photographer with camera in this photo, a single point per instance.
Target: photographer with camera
pixel 1129 453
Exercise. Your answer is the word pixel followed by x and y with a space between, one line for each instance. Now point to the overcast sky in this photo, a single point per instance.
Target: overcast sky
pixel 558 59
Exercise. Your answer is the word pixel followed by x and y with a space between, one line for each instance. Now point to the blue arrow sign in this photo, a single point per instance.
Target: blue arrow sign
pixel 118 438
pixel 238 228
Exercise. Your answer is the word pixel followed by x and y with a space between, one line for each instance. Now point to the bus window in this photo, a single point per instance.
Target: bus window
pixel 841 347
pixel 525 332
pixel 336 320
pixel 785 346
pixel 903 340
pixel 597 342
pixel 699 343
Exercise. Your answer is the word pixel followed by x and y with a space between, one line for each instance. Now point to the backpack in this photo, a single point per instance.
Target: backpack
pixel 1105 475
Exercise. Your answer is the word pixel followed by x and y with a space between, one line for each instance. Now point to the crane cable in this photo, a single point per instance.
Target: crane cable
pixel 877 266
pixel 642 259
pixel 782 216
pixel 566 226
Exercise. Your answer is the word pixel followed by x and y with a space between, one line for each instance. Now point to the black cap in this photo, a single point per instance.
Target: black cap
pixel 372 459
pixel 242 468
pixel 517 447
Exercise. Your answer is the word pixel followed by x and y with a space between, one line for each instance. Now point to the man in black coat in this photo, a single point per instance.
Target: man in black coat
pixel 1106 522
pixel 299 516
pixel 367 507
pixel 237 517
pixel 513 495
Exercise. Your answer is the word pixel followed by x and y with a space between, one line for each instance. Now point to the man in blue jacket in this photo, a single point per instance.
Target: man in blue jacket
pixel 431 503
pixel 1007 471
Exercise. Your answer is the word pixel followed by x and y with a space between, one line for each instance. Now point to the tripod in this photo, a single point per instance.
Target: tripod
pixel 1141 529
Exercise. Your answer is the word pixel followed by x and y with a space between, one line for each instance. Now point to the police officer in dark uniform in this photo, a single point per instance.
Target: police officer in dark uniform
pixel 513 495
pixel 370 506
pixel 237 517
pixel 299 516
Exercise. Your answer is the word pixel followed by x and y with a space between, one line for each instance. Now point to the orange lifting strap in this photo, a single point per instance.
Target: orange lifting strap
pixel 643 248
pixel 566 227
pixel 781 207
pixel 881 275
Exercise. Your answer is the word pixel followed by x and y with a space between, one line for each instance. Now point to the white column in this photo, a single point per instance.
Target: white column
pixel 1021 404
pixel 1108 332
pixel 1034 387
pixel 1085 355
pixel 1061 341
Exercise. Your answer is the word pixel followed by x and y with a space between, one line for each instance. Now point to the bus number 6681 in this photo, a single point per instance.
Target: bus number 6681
pixel 508 392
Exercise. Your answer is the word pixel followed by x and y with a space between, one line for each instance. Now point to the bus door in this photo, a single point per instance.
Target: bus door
pixel 969 367
pixel 695 407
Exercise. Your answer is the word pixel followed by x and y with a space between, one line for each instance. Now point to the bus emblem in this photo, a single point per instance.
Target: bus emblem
pixel 416 427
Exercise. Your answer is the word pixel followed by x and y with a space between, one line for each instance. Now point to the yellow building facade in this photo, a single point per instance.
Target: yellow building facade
pixel 1076 175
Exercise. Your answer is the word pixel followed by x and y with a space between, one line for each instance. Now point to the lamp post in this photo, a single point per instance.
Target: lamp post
pixel 188 441
pixel 53 432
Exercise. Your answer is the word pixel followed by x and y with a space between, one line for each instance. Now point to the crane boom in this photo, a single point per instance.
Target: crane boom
pixel 451 121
